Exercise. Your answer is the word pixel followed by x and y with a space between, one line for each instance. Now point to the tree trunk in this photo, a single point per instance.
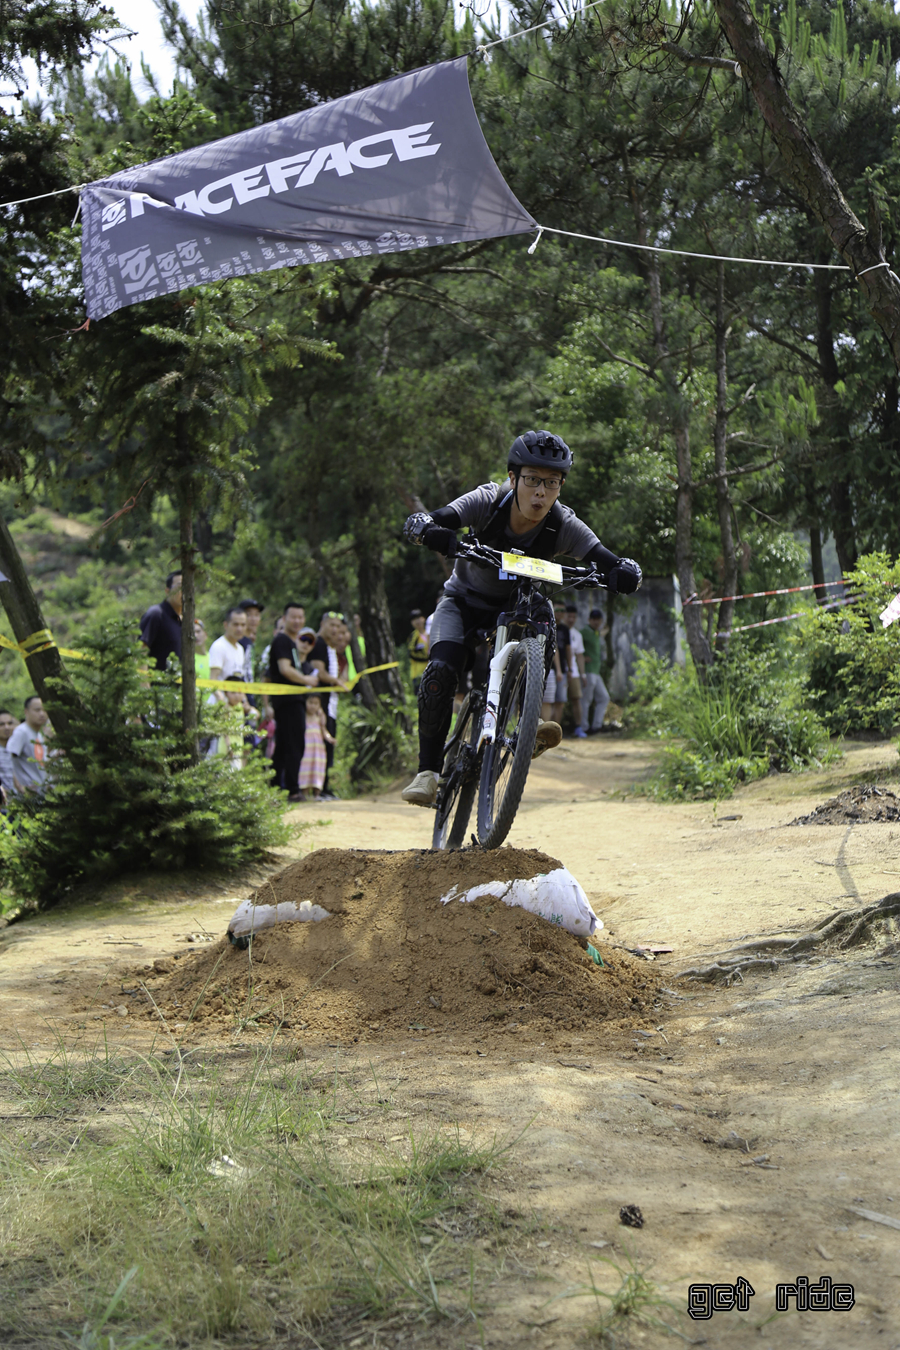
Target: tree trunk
pixel 185 494
pixel 720 445
pixel 203 535
pixel 366 692
pixel 838 427
pixel 678 411
pixel 25 617
pixel 809 175
pixel 844 528
pixel 698 643
pixel 818 566
pixel 376 620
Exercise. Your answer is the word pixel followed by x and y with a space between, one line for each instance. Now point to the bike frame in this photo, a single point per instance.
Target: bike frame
pixel 503 645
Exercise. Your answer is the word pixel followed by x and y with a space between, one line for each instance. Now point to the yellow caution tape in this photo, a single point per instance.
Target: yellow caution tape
pixel 27 647
pixel 278 690
pixel 45 637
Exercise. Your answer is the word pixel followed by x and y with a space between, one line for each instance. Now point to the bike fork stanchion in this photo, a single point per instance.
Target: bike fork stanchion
pixel 503 650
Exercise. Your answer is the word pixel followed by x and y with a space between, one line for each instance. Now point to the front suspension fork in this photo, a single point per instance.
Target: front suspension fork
pixel 503 649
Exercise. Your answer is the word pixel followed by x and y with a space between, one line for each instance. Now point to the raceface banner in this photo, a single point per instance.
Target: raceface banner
pixel 399 166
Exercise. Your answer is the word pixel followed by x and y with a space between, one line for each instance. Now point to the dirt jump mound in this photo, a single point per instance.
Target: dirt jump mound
pixel 391 958
pixel 864 804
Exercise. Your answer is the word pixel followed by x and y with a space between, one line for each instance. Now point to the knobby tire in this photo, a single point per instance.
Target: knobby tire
pixel 505 767
pixel 452 816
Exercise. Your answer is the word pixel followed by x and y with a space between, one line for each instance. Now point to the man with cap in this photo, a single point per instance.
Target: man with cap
pixel 523 513
pixel 253 611
pixel 595 691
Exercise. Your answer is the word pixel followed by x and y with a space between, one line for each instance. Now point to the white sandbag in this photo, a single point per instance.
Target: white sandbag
pixel 249 918
pixel 556 896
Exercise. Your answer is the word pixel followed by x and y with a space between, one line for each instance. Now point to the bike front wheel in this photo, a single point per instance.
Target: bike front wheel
pixel 460 784
pixel 508 758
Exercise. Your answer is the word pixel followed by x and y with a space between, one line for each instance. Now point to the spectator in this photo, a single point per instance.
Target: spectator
pixel 28 749
pixel 226 655
pixel 341 642
pixel 277 628
pixel 8 725
pixel 595 691
pixel 553 682
pixel 233 741
pixel 358 634
pixel 556 688
pixel 253 613
pixel 324 658
pixel 576 668
pixel 267 730
pixel 287 666
pixel 161 624
pixel 201 655
pixel 313 765
pixel 417 646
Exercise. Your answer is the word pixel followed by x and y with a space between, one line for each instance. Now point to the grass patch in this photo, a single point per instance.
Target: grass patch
pixel 634 1302
pixel 149 1201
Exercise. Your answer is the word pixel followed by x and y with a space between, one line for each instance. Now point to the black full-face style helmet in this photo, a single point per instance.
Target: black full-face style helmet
pixel 540 450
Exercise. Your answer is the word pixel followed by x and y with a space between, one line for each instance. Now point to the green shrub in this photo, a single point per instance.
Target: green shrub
pixel 380 742
pixel 853 662
pixel 655 684
pixel 124 793
pixel 691 775
pixel 747 718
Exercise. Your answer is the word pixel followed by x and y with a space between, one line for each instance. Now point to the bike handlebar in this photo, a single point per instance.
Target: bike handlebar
pixel 575 578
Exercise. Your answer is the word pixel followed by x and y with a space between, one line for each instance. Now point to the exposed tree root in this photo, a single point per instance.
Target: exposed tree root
pixel 847 928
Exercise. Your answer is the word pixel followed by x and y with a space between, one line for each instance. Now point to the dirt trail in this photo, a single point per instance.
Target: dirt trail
pixel 801 1066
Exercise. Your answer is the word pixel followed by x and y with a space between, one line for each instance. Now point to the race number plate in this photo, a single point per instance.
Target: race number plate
pixel 537 568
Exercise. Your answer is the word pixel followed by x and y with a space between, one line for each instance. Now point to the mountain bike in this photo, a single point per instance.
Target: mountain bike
pixel 491 744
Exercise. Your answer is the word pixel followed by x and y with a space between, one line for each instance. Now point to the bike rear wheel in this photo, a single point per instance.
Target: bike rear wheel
pixel 460 775
pixel 508 758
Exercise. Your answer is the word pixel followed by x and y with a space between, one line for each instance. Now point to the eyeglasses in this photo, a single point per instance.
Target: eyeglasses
pixel 532 480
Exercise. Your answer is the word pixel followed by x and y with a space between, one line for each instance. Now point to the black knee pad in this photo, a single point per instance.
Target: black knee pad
pixel 436 698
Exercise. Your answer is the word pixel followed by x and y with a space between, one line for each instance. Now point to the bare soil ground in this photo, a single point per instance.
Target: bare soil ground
pixel 747 1122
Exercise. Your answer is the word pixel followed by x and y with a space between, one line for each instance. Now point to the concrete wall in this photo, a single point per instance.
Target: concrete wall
pixel 650 621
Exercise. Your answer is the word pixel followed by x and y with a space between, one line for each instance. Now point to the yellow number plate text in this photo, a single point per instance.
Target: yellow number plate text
pixel 538 568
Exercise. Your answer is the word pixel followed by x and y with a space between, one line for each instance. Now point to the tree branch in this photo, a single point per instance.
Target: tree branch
pixel 707 62
pixel 809 175
pixel 789 346
pixel 624 361
pixel 737 473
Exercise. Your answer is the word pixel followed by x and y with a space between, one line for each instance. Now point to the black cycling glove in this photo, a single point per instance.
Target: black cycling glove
pixel 624 578
pixel 420 528
pixel 440 540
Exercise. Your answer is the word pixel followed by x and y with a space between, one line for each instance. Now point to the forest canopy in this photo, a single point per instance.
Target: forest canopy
pixel 727 419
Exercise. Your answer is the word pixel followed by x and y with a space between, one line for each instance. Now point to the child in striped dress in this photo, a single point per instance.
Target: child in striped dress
pixel 313 763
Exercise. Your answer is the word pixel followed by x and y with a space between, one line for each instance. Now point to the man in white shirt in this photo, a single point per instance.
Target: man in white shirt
pixel 226 655
pixel 28 749
pixel 576 668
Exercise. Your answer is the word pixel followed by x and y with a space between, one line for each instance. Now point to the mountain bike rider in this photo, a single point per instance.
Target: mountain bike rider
pixel 525 515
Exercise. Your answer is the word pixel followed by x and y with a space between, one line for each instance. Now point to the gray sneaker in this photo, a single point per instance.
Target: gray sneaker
pixel 422 791
pixel 548 737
